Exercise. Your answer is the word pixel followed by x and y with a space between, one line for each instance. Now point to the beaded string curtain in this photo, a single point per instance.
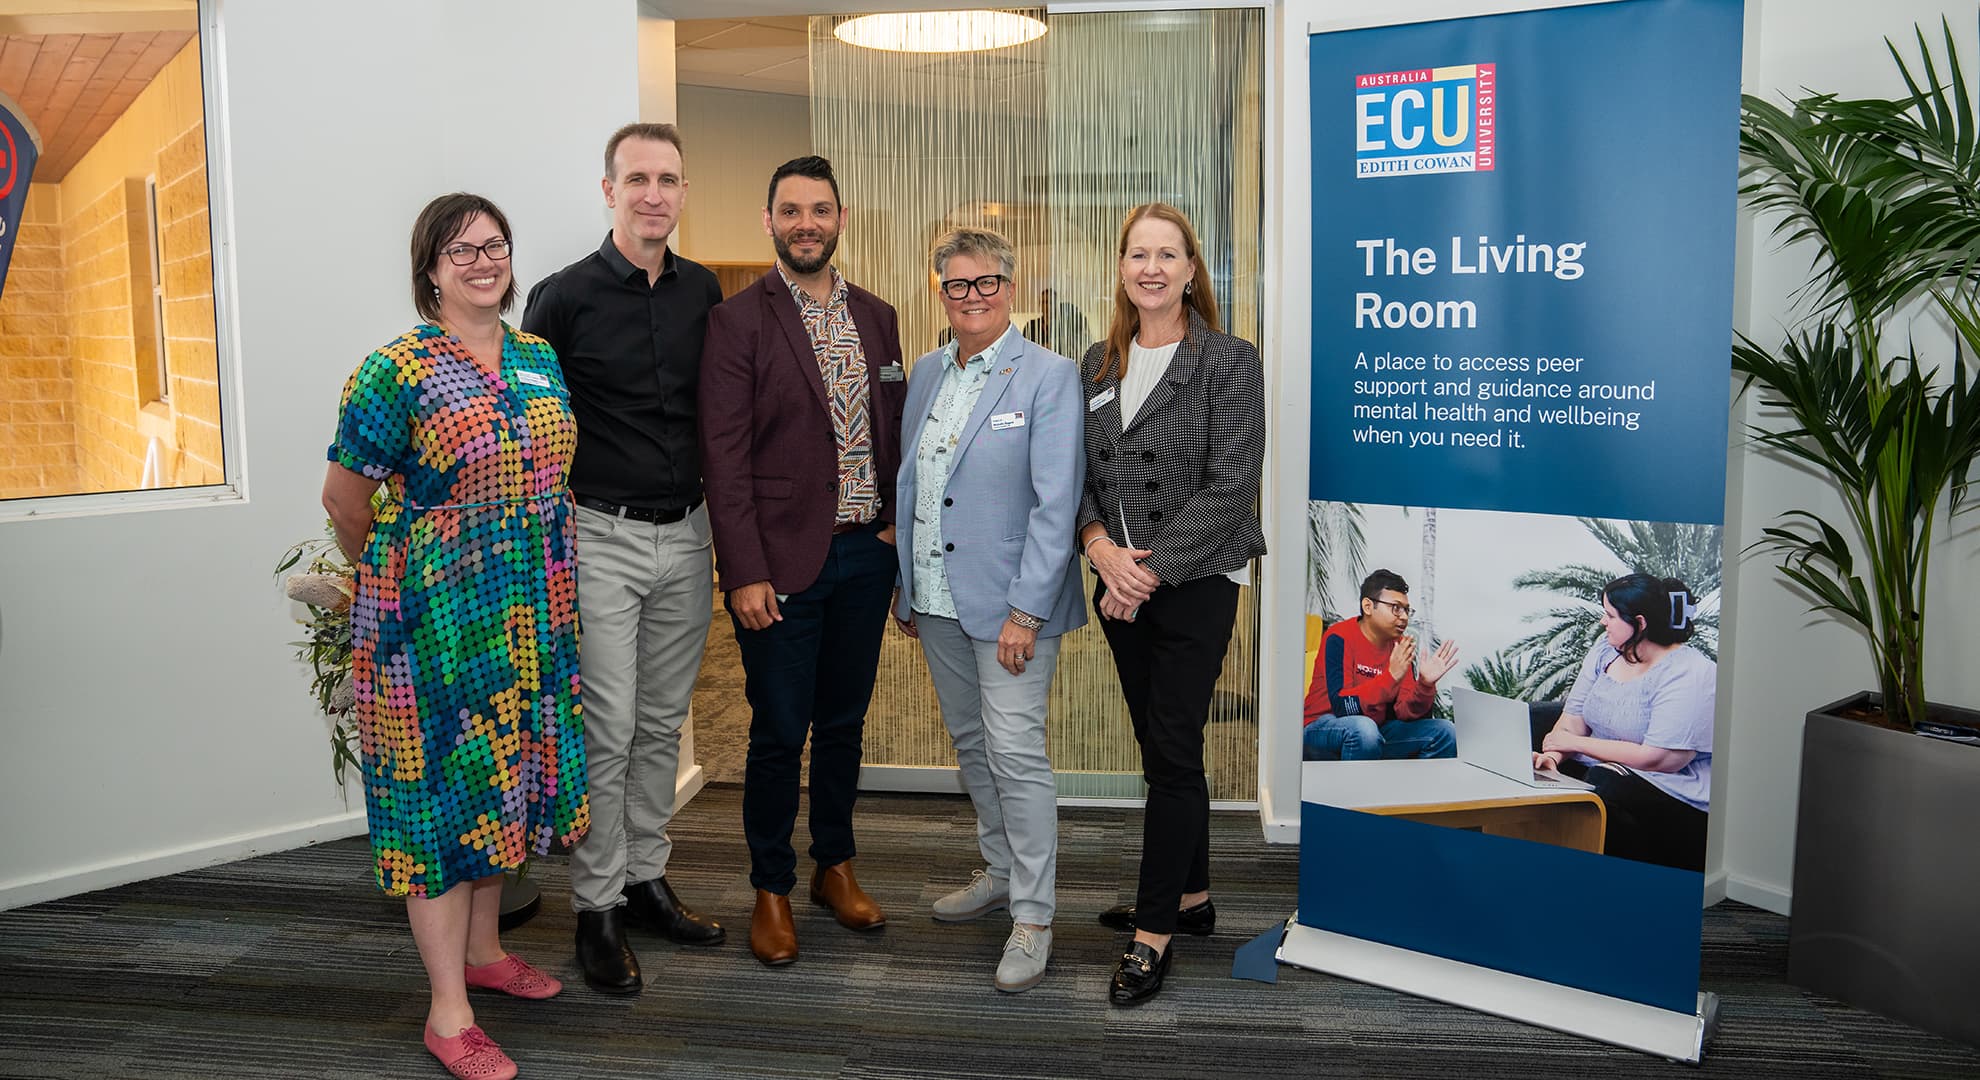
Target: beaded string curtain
pixel 1051 143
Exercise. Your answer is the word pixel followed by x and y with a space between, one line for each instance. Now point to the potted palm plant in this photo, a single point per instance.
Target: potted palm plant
pixel 1887 193
pixel 315 574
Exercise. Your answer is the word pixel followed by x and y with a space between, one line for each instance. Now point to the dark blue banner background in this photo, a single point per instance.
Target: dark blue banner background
pixel 1616 126
pixel 19 150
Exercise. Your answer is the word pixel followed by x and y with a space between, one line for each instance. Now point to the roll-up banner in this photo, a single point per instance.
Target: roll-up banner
pixel 1523 232
pixel 20 148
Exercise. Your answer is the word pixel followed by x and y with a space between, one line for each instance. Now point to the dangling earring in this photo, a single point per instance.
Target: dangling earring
pixel 436 292
pixel 1186 286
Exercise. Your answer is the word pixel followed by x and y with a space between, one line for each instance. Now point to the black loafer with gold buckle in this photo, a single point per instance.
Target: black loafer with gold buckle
pixel 1140 974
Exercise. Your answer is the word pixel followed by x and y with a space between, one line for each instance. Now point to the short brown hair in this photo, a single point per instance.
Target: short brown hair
pixel 666 133
pixel 444 219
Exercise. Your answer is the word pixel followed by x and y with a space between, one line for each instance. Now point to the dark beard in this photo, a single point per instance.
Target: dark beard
pixel 805 266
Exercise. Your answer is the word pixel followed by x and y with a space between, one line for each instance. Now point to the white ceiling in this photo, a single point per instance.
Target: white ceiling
pixel 767 54
pixel 758 9
pixel 756 45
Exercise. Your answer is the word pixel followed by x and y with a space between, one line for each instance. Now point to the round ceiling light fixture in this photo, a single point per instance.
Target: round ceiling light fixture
pixel 940 31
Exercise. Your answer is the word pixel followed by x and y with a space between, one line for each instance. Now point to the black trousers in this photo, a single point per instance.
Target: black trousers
pixel 1169 658
pixel 1645 824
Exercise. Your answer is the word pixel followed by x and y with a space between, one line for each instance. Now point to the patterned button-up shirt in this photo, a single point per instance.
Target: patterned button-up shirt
pixel 934 458
pixel 842 364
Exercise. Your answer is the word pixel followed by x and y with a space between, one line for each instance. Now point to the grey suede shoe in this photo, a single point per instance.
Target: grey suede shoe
pixel 983 895
pixel 1024 959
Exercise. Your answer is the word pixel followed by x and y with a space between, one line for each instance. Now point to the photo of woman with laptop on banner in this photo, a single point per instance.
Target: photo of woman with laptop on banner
pixel 1579 711
pixel 1637 724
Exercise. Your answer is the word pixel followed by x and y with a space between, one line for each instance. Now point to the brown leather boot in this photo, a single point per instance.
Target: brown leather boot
pixel 772 937
pixel 836 888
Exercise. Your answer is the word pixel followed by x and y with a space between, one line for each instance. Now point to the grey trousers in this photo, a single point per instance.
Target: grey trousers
pixel 997 720
pixel 645 593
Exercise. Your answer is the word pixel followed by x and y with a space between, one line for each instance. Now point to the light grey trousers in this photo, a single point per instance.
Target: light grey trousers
pixel 997 721
pixel 645 593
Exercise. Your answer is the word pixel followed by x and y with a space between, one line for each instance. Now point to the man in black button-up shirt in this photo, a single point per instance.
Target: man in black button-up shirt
pixel 627 322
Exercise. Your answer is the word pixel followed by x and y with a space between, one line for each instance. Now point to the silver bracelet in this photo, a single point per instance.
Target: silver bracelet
pixel 1088 549
pixel 1026 620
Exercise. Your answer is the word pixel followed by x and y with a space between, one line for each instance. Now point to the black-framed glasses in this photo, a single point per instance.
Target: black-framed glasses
pixel 985 286
pixel 1401 609
pixel 465 254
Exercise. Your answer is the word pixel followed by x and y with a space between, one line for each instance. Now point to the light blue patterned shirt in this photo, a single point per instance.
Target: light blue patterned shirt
pixel 934 457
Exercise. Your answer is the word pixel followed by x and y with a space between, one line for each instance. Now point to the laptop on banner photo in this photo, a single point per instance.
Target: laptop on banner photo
pixel 1495 734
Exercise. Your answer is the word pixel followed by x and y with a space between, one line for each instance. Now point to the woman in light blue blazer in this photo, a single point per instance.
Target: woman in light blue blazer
pixel 991 463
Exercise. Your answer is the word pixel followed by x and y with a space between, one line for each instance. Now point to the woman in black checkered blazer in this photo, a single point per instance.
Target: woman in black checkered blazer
pixel 1175 443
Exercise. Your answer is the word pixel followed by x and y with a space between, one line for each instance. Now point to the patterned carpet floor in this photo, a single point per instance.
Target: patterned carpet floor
pixel 292 966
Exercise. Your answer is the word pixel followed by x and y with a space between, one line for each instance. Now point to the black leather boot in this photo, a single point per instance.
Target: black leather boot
pixel 652 905
pixel 602 954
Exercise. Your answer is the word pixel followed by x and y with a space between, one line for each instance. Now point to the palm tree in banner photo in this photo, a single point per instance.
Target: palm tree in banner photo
pixel 1426 592
pixel 1423 583
pixel 1334 541
pixel 1543 663
pixel 1501 674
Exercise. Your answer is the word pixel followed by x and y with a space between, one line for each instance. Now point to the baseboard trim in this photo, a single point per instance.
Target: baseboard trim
pixel 112 873
pixel 912 779
pixel 689 784
pixel 1764 895
pixel 1279 830
pixel 1715 887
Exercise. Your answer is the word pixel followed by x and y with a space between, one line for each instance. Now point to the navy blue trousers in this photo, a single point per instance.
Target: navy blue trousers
pixel 813 673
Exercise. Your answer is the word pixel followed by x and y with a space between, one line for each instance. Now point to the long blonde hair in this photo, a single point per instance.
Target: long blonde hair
pixel 1127 318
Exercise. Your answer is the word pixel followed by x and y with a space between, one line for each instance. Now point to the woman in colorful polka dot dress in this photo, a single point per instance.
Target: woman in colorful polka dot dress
pixel 465 626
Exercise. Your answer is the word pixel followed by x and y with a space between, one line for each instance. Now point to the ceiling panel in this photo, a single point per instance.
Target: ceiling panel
pixel 691 62
pixel 768 55
pixel 750 35
pixel 799 86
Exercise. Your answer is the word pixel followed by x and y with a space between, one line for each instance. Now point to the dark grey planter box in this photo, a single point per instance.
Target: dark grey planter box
pixel 1887 872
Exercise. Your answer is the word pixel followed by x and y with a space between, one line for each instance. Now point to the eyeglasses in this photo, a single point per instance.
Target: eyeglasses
pixel 985 286
pixel 465 254
pixel 1401 609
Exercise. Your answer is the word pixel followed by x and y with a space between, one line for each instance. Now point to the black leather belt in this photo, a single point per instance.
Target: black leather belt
pixel 636 513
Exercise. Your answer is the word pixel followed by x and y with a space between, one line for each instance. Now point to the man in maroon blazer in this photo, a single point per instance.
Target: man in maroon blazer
pixel 800 406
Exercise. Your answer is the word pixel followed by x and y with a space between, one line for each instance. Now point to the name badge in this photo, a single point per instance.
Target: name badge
pixel 892 373
pixel 1099 400
pixel 1000 421
pixel 533 378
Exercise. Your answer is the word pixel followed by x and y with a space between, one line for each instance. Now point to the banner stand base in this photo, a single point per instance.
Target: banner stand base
pixel 1673 1035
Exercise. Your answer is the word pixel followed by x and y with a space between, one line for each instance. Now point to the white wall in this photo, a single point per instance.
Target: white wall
pixel 152 717
pixel 1786 661
pixel 735 140
pixel 657 101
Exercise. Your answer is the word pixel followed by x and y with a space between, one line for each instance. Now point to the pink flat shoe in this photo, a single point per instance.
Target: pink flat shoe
pixel 471 1055
pixel 512 975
